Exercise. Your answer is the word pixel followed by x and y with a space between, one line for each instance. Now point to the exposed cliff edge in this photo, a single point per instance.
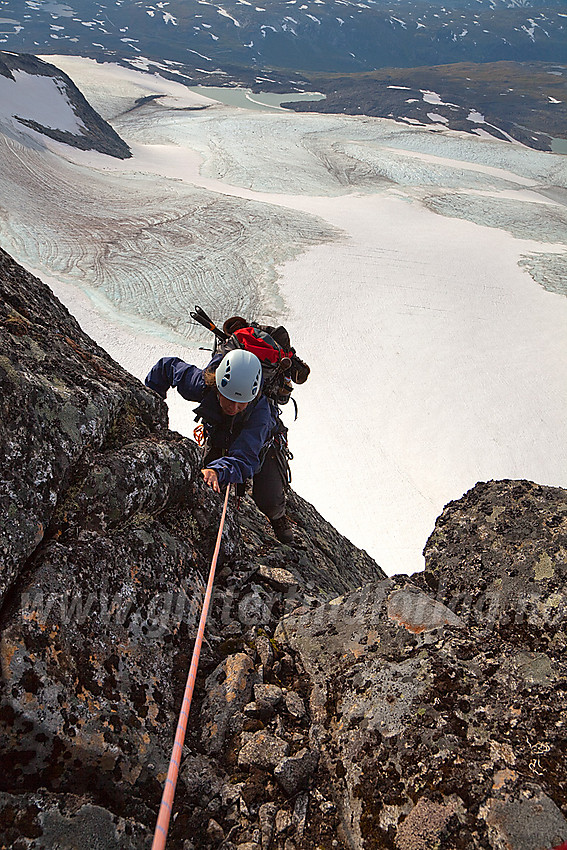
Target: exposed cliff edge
pixel 335 707
pixel 93 132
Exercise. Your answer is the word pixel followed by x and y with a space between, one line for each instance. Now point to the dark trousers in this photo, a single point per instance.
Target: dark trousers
pixel 268 486
pixel 268 490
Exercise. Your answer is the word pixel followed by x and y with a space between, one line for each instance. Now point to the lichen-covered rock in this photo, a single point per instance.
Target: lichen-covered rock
pixel 295 705
pixel 525 820
pixel 426 824
pixel 402 714
pixel 61 396
pixel 293 773
pixel 443 718
pixel 272 694
pixel 106 534
pixel 228 690
pixel 263 750
pixel 499 555
pixel 42 821
pixel 267 820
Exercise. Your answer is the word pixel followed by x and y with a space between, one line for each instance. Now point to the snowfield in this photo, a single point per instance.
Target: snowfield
pixel 39 99
pixel 397 257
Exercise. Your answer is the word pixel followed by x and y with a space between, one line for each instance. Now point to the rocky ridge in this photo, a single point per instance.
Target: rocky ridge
pixel 96 134
pixel 334 707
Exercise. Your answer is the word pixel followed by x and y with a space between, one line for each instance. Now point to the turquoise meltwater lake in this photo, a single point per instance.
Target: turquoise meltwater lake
pixel 247 99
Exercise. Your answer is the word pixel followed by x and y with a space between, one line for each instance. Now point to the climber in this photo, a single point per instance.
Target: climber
pixel 240 426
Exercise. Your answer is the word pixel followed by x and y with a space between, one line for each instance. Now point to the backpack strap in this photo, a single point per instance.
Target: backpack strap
pixel 278 442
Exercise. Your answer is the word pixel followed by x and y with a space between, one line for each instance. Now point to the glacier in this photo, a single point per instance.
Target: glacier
pixel 400 258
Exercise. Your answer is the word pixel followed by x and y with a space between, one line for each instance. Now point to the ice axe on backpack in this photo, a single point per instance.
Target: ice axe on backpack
pixel 280 364
pixel 201 317
pixel 230 327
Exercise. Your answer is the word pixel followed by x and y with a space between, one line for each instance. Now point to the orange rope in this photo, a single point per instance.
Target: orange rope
pixel 160 835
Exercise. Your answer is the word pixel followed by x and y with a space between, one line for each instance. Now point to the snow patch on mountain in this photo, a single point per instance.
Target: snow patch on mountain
pixel 225 14
pixel 43 100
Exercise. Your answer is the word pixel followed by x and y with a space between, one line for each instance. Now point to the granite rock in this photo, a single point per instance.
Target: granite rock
pixel 397 713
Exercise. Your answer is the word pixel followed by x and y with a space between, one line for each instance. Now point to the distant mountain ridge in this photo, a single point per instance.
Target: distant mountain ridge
pixel 496 67
pixel 312 35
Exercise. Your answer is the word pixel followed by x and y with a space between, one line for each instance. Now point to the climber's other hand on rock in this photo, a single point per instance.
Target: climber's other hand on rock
pixel 212 479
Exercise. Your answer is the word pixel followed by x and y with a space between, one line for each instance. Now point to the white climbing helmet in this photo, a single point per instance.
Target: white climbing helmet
pixel 239 375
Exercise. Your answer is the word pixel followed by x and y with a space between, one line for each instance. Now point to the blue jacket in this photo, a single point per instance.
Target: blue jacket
pixel 241 437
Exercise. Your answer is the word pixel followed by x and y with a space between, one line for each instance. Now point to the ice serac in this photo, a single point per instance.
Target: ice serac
pixel 93 133
pixel 334 707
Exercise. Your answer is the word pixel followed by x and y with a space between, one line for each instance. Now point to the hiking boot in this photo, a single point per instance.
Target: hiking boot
pixel 282 529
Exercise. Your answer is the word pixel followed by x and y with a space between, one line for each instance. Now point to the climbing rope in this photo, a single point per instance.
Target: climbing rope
pixel 199 435
pixel 160 835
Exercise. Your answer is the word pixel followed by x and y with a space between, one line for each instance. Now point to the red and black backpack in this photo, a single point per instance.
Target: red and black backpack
pixel 281 367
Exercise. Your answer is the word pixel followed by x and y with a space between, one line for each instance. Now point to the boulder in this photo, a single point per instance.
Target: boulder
pixel 263 750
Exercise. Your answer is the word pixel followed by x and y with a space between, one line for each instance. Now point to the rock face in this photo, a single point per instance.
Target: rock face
pixel 442 714
pixel 96 134
pixel 334 707
pixel 106 536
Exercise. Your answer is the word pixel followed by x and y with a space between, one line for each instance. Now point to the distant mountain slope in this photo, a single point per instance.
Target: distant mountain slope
pixel 39 96
pixel 369 57
pixel 314 35
pixel 524 102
